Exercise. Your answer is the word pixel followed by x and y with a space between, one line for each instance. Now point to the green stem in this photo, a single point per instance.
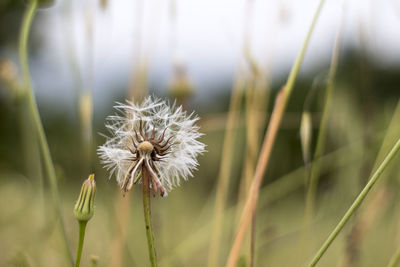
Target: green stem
pixel 321 139
pixel 314 169
pixel 395 260
pixel 82 230
pixel 32 106
pixel 295 70
pixel 147 215
pixel 355 204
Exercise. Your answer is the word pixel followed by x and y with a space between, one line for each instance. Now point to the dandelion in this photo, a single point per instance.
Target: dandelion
pixel 152 143
pixel 154 136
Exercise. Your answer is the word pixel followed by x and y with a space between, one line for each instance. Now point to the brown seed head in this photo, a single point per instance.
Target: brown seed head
pixel 145 146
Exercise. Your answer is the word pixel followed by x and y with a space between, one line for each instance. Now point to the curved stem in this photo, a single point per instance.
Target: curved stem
pixel 82 230
pixel 147 214
pixel 32 106
pixel 314 169
pixel 322 134
pixel 355 204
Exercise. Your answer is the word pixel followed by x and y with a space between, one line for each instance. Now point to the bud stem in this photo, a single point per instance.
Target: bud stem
pixel 147 214
pixel 82 230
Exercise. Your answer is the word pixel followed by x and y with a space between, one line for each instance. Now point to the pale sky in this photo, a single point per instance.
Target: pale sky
pixel 205 34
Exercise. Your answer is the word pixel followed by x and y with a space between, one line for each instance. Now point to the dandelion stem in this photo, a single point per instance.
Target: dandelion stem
pixel 355 204
pixel 147 214
pixel 82 230
pixel 32 106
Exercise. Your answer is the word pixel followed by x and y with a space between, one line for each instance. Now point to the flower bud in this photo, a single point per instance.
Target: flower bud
pixel 306 135
pixel 84 207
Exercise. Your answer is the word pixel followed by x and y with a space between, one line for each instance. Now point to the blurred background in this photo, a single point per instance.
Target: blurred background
pixel 225 60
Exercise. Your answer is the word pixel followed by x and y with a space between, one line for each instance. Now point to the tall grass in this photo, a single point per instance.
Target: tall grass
pixel 225 170
pixel 357 202
pixel 47 160
pixel 277 113
pixel 322 136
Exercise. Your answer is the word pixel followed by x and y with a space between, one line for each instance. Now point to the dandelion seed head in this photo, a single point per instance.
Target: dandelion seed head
pixel 167 133
pixel 145 146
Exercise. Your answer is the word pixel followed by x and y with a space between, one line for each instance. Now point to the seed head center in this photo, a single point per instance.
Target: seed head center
pixel 145 146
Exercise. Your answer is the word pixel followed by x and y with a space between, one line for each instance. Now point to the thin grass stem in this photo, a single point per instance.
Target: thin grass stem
pixel 253 239
pixel 295 70
pixel 122 220
pixel 32 106
pixel 315 168
pixel 355 204
pixel 225 170
pixel 379 199
pixel 272 192
pixel 279 108
pixel 322 134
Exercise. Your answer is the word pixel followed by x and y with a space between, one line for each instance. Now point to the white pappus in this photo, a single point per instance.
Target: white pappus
pixel 152 135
